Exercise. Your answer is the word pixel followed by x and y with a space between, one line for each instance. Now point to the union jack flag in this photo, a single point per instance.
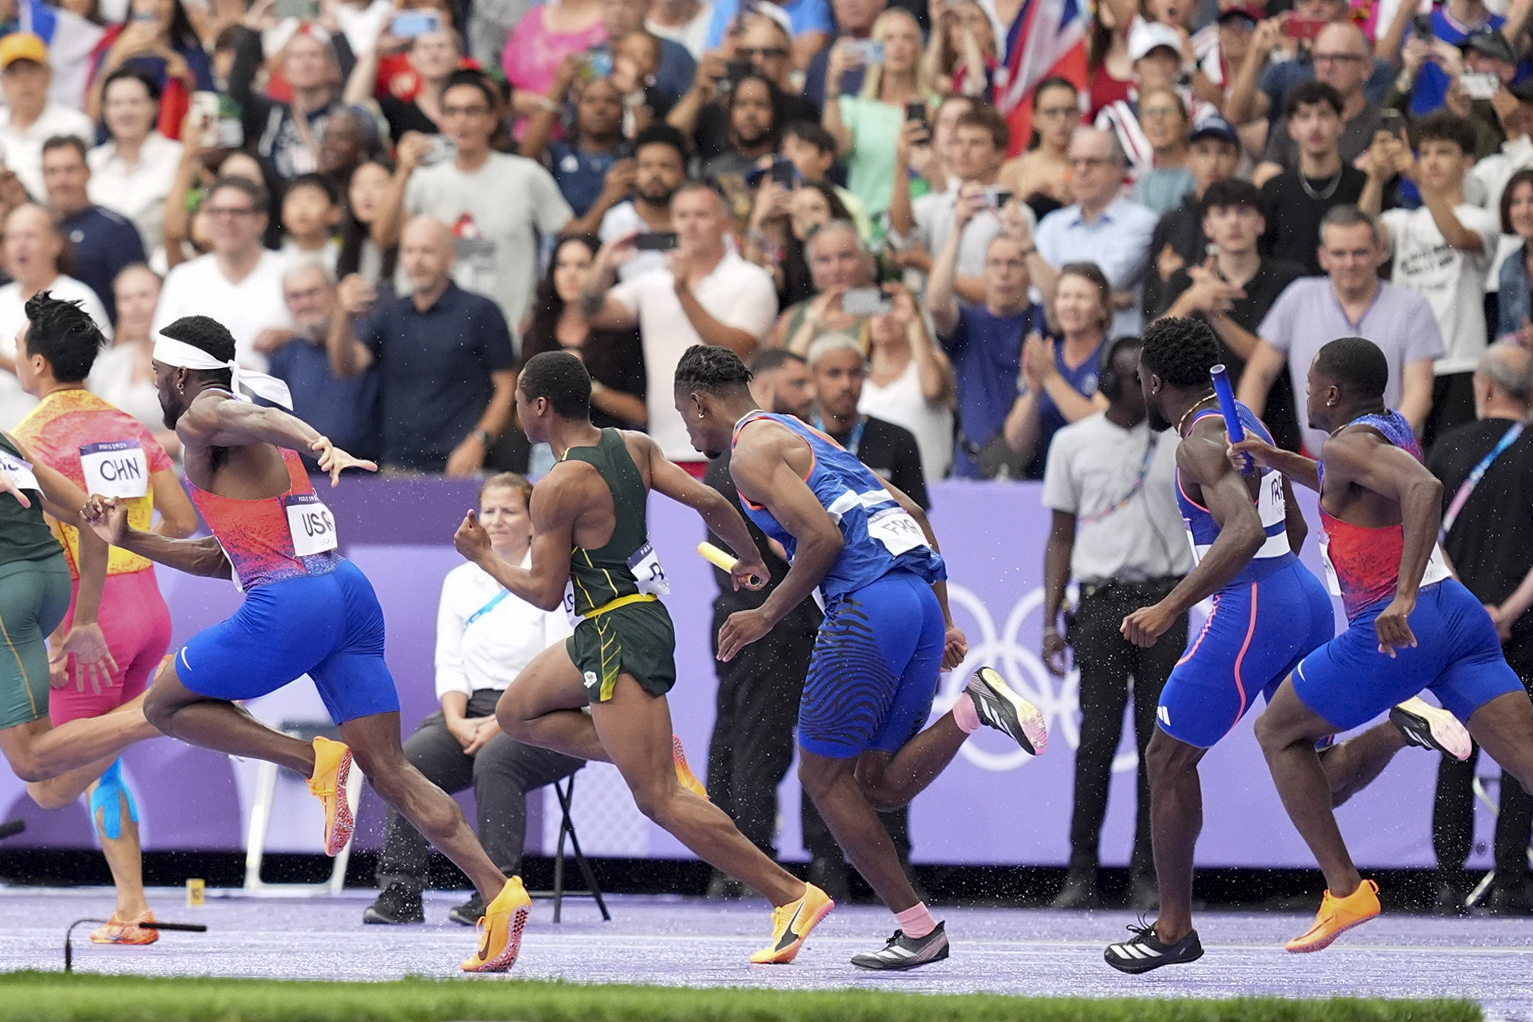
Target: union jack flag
pixel 1047 38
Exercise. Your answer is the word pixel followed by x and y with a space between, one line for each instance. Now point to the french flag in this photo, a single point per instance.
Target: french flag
pixel 1047 38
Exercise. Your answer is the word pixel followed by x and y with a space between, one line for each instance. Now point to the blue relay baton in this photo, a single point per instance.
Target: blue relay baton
pixel 1232 424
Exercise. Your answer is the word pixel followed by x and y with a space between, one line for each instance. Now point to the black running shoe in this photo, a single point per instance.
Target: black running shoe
pixel 469 912
pixel 1001 708
pixel 396 904
pixel 902 952
pixel 1146 951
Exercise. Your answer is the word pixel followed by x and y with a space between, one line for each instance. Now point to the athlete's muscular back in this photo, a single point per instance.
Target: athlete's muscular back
pixel 574 494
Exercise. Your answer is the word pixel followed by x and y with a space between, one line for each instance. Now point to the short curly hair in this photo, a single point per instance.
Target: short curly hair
pixel 1180 351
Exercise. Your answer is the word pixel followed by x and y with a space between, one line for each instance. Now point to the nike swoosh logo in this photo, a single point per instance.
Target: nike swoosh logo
pixel 789 935
pixel 484 946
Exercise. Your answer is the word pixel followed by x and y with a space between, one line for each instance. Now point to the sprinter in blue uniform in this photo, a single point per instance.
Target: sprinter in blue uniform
pixel 1269 612
pixel 867 551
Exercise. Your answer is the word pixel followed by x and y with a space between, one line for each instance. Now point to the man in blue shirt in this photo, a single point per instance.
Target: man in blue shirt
pixel 340 407
pixel 985 344
pixel 103 242
pixel 444 355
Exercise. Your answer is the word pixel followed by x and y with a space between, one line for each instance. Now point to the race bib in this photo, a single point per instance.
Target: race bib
pixel 647 572
pixel 118 468
pixel 896 530
pixel 569 604
pixel 311 524
pixel 19 472
pixel 1437 567
pixel 1331 581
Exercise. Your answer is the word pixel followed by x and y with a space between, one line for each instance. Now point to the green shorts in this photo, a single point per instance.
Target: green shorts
pixel 34 597
pixel 635 639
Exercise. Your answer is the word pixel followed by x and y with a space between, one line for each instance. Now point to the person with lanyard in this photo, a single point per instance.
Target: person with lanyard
pixel 307 610
pixel 868 553
pixel 484 637
pixel 1410 624
pixel 601 694
pixel 1486 468
pixel 58 763
pixel 1269 613
pixel 103 449
pixel 838 367
pixel 1116 530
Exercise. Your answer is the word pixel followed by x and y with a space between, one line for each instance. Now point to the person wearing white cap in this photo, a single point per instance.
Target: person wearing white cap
pixel 1157 52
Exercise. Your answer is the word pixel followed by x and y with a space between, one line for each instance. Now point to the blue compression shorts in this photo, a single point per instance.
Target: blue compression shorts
pixel 1258 631
pixel 1457 656
pixel 329 627
pixel 875 668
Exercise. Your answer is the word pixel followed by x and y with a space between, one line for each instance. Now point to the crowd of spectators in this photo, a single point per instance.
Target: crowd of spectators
pixel 392 203
pixel 621 178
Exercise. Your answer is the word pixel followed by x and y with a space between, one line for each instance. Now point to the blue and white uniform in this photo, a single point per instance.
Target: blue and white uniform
pixel 1263 623
pixel 876 661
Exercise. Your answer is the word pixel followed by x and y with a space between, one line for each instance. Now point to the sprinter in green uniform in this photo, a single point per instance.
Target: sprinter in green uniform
pixel 34 596
pixel 590 550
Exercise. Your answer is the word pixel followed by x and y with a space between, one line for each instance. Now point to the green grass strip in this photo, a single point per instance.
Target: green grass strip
pixel 54 997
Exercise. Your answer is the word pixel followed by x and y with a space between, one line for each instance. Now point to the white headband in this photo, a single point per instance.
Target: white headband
pixel 185 356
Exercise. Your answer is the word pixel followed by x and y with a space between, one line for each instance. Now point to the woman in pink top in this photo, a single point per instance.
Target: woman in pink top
pixel 550 32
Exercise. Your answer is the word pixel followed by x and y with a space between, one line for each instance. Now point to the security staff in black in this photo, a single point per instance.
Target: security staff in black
pixel 589 548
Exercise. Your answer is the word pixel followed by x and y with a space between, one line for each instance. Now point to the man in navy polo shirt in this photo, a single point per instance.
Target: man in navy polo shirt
pixel 445 363
pixel 103 241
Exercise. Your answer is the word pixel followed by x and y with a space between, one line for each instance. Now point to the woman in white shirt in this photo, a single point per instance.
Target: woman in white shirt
pixel 131 174
pixel 485 636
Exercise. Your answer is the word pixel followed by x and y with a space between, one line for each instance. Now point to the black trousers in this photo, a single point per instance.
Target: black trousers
pixel 501 773
pixel 751 748
pixel 1453 815
pixel 1110 668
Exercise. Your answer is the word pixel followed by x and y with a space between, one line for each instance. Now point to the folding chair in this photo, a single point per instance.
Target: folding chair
pixel 564 791
pixel 261 812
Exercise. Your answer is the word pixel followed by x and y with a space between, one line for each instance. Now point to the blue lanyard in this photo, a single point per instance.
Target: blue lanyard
pixel 482 611
pixel 853 439
pixel 1467 487
pixel 1144 470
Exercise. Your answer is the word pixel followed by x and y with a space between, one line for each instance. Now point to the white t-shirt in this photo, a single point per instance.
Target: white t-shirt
pixel 1122 492
pixel 22 151
pixel 902 403
pixel 115 379
pixel 1451 280
pixel 485 635
pixel 737 293
pixel 137 193
pixel 15 403
pixel 496 212
pixel 199 288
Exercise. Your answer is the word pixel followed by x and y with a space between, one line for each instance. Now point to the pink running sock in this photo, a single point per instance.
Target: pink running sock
pixel 965 716
pixel 916 921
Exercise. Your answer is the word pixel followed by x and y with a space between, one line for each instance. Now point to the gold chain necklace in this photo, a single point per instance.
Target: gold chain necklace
pixel 1181 427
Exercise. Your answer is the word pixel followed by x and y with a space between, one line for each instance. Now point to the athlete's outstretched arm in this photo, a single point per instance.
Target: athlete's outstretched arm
pixel 227 422
pixel 669 478
pixel 108 520
pixel 65 501
pixel 554 507
pixel 763 476
pixel 1204 462
pixel 1361 457
pixel 1298 468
